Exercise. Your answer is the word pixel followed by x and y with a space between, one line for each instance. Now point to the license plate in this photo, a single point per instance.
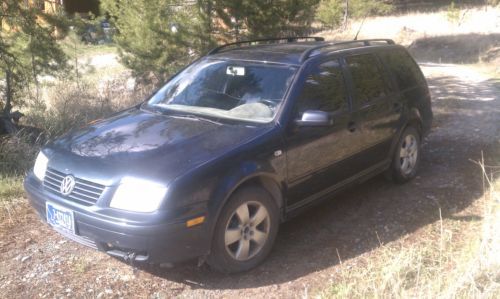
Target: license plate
pixel 60 218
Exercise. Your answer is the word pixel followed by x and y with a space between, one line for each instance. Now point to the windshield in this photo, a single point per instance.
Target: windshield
pixel 227 89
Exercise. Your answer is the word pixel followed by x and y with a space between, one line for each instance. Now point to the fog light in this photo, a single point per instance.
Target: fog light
pixel 195 221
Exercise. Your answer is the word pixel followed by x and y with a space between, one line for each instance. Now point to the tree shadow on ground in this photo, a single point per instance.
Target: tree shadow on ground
pixel 360 219
pixel 460 48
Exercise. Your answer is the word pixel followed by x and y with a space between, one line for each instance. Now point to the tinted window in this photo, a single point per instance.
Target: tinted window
pixel 366 77
pixel 405 70
pixel 324 89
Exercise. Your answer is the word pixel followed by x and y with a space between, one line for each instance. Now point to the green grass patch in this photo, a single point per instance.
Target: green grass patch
pixel 11 187
pixel 73 46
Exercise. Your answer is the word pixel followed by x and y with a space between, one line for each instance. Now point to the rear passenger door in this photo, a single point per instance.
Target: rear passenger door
pixel 374 107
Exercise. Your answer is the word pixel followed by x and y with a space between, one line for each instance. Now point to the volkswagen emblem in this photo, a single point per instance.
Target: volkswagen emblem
pixel 67 185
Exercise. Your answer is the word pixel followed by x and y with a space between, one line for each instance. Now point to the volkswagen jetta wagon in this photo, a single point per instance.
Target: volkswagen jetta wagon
pixel 233 145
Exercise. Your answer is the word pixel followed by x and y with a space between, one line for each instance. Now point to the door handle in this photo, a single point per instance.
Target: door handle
pixel 351 126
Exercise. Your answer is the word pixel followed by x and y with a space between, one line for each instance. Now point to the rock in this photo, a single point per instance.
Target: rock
pixel 25 258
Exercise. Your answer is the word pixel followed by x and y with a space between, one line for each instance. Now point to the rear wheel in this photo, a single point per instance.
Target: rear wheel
pixel 406 157
pixel 245 231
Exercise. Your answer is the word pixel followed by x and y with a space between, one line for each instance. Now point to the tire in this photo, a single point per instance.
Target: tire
pixel 406 157
pixel 240 243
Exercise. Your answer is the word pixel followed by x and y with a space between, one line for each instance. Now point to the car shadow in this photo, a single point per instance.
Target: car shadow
pixel 377 212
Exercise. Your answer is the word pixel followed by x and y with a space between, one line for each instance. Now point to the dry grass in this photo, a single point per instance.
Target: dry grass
pixel 16 155
pixel 473 38
pixel 454 257
pixel 11 193
pixel 72 104
pixel 406 28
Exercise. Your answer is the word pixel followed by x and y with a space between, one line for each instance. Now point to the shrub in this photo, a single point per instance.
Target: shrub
pixel 71 105
pixel 16 155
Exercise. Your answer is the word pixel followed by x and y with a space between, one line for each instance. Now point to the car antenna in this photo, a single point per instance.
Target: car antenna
pixel 360 26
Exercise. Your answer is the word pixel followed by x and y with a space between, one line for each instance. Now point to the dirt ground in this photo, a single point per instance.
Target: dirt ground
pixel 310 250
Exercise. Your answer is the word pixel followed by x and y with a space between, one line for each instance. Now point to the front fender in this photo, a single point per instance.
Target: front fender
pixel 236 177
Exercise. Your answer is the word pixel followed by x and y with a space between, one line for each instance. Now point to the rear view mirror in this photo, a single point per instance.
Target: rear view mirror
pixel 314 118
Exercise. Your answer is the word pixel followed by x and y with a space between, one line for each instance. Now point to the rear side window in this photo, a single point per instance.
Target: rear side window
pixel 406 72
pixel 366 77
pixel 324 89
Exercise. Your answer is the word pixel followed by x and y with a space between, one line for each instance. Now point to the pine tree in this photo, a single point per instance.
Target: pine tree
pixel 156 37
pixel 28 49
pixel 263 18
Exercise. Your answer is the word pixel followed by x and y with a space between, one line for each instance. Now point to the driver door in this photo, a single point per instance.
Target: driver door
pixel 317 157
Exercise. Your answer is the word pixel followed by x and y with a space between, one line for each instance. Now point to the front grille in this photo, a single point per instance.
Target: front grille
pixel 85 192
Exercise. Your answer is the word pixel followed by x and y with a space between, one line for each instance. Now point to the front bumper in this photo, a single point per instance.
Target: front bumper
pixel 165 239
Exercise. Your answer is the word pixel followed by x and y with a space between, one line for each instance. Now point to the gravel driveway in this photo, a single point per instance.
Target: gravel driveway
pixel 310 250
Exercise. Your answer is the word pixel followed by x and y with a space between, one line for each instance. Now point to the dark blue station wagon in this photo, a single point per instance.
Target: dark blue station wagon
pixel 236 143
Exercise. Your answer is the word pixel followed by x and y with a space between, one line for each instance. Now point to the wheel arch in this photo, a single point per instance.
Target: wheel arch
pixel 413 118
pixel 268 181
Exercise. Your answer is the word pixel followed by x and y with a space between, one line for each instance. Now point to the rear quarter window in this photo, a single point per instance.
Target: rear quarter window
pixel 404 69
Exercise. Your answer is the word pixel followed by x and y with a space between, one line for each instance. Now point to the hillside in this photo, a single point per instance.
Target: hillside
pixel 435 37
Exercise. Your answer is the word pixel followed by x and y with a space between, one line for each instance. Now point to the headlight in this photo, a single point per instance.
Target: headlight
pixel 40 166
pixel 138 195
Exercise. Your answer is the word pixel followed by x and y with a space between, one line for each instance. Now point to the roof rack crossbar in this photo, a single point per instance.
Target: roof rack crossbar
pixel 366 43
pixel 290 39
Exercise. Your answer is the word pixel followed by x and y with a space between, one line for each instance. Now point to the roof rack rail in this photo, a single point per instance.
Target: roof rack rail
pixel 366 42
pixel 290 39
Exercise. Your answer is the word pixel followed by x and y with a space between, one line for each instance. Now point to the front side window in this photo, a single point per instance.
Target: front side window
pixel 366 78
pixel 227 89
pixel 324 89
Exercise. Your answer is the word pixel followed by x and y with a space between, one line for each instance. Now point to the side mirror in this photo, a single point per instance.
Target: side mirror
pixel 315 118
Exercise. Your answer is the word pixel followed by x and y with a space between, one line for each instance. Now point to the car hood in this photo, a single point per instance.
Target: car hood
pixel 147 145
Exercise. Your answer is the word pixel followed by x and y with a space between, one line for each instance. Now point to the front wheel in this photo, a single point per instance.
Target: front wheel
pixel 245 231
pixel 406 157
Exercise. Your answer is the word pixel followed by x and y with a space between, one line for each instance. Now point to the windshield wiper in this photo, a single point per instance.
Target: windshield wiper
pixel 196 117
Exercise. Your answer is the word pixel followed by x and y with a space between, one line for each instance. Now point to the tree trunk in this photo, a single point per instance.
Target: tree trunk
pixel 237 29
pixel 6 123
pixel 209 27
pixel 346 14
pixel 34 74
pixel 8 93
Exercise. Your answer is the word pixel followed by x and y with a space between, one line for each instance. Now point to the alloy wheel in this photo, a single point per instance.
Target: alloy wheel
pixel 247 231
pixel 408 154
